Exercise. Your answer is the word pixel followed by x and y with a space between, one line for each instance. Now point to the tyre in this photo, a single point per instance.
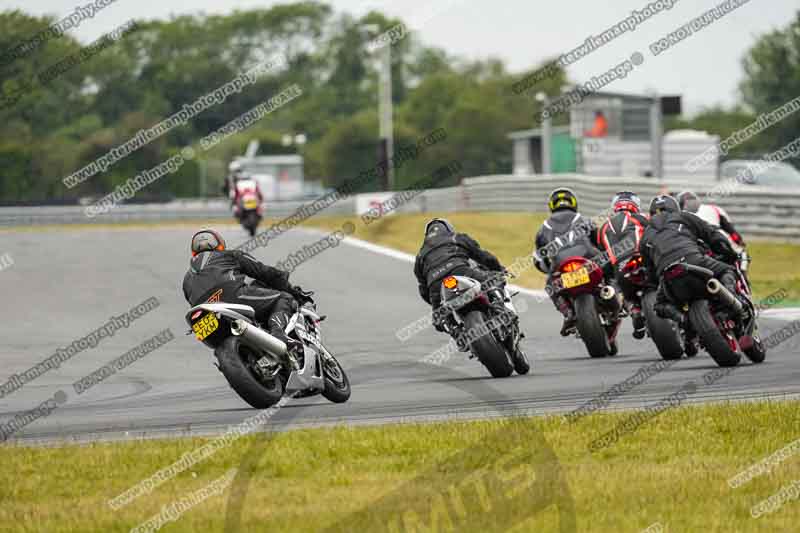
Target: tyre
pixel 234 359
pixel 724 351
pixel 664 332
pixel 757 352
pixel 486 348
pixel 591 329
pixel 337 384
pixel 521 364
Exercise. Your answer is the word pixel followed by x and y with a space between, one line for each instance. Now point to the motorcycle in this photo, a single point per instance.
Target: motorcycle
pixel 597 306
pixel 475 320
pixel 665 333
pixel 712 314
pixel 257 365
pixel 248 209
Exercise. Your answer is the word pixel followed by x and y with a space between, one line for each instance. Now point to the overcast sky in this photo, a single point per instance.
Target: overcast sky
pixel 705 68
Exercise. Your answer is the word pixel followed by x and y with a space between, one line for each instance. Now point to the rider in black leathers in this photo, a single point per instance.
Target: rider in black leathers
pixel 566 233
pixel 447 253
pixel 673 236
pixel 218 275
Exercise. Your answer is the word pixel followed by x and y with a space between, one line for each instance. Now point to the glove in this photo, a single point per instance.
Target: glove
pixel 728 254
pixel 301 295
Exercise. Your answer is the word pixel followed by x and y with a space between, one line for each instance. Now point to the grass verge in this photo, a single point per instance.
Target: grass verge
pixel 473 476
pixel 510 235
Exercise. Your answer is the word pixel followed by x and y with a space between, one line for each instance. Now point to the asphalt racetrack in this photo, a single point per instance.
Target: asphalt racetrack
pixel 65 283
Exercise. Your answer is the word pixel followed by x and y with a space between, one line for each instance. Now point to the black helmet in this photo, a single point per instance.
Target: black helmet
pixel 626 201
pixel 207 240
pixel 562 199
pixel 432 227
pixel 689 201
pixel 664 203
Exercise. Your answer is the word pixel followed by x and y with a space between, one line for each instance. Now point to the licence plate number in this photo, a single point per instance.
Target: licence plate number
pixel 575 279
pixel 250 204
pixel 205 326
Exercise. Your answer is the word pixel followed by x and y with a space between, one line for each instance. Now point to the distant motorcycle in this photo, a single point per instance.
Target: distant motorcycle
pixel 248 209
pixel 712 313
pixel 257 365
pixel 597 306
pixel 476 322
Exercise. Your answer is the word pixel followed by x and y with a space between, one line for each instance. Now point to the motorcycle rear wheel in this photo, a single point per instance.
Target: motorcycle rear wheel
pixel 589 326
pixel 491 353
pixel 661 330
pixel 233 359
pixel 710 336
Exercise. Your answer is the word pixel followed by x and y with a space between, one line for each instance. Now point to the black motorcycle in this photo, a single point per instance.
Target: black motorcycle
pixel 483 320
pixel 713 315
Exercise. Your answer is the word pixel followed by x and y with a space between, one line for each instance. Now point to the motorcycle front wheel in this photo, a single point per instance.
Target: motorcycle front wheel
pixel 337 384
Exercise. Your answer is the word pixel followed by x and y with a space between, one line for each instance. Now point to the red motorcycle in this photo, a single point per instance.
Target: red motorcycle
pixel 596 305
pixel 247 208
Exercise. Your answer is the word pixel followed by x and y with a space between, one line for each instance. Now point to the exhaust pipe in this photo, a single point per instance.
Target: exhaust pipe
pixel 607 293
pixel 259 339
pixel 610 298
pixel 715 288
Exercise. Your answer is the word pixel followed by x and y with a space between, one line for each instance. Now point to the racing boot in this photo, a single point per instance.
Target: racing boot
pixel 295 351
pixel 639 324
pixel 569 317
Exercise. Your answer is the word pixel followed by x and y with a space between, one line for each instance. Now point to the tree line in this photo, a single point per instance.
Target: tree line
pixel 128 81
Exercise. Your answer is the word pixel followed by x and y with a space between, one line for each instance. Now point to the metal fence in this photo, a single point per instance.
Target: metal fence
pixel 757 211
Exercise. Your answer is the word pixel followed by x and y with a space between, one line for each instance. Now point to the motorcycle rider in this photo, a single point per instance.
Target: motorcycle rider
pixel 218 275
pixel 565 233
pixel 713 214
pixel 626 223
pixel 244 183
pixel 671 236
pixel 447 253
pixel 235 170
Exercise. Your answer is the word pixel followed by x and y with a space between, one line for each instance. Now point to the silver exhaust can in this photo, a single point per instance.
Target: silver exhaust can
pixel 717 289
pixel 259 339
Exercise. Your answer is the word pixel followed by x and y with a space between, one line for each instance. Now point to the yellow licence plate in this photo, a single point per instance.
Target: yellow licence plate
pixel 205 326
pixel 250 204
pixel 574 279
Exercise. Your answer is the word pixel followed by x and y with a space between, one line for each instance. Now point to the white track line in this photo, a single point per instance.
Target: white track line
pixel 397 254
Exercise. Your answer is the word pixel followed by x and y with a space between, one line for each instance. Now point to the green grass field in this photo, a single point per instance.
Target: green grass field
pixel 510 235
pixel 473 476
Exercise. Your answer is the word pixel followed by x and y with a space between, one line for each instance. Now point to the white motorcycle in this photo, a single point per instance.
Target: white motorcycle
pixel 257 365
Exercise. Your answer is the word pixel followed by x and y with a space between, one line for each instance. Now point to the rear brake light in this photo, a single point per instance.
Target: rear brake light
pixel 634 263
pixel 572 266
pixel 196 314
pixel 450 282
